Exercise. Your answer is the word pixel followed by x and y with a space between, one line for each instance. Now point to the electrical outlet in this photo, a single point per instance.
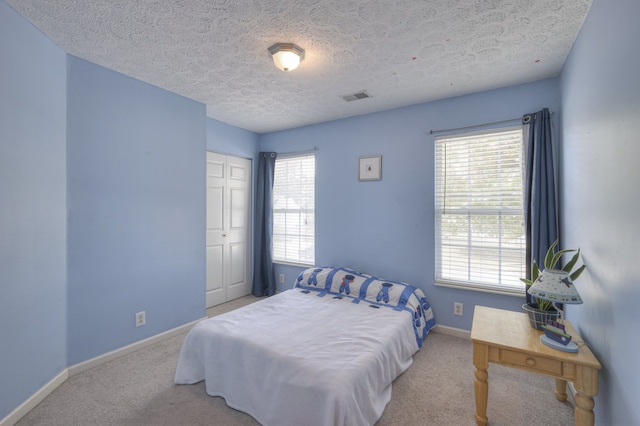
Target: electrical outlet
pixel 281 278
pixel 457 308
pixel 141 319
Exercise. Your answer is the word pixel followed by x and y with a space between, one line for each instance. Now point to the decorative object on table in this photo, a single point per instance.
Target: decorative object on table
pixel 542 310
pixel 555 331
pixel 539 317
pixel 556 286
pixel 370 168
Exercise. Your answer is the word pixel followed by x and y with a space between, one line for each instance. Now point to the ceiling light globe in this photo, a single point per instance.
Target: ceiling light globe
pixel 286 56
pixel 286 61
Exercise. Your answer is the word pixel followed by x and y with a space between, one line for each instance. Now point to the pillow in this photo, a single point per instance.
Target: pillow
pixel 313 279
pixel 347 283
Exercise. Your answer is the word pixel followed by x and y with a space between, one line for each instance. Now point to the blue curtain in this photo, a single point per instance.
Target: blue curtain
pixel 264 283
pixel 540 188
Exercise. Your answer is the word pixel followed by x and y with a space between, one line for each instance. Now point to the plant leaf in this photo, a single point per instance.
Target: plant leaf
pixel 557 257
pixel 577 273
pixel 549 255
pixel 544 305
pixel 569 266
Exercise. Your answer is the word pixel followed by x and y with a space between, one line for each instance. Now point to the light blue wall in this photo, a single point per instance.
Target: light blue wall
pixel 32 210
pixel 136 209
pixel 136 198
pixel 227 139
pixel 600 197
pixel 386 228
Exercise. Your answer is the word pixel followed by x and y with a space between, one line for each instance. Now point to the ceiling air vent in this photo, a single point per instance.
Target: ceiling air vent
pixel 356 96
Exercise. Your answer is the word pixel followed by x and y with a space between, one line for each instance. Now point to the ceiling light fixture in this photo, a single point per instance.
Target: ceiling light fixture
pixel 286 56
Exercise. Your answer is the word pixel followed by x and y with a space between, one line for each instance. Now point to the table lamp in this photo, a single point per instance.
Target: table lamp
pixel 556 286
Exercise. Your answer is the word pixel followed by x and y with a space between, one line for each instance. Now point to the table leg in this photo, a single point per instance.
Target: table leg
pixel 481 385
pixel 561 390
pixel 586 384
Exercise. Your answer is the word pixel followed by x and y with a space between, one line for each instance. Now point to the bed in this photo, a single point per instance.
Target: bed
pixel 322 353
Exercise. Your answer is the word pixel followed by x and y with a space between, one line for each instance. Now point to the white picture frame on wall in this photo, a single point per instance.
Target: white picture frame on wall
pixel 370 168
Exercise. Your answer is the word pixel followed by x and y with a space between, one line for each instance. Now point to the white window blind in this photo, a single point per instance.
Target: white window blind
pixel 480 237
pixel 294 210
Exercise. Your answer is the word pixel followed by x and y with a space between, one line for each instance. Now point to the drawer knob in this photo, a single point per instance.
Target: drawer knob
pixel 531 362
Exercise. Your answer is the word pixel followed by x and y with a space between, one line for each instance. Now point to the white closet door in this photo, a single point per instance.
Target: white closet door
pixel 228 228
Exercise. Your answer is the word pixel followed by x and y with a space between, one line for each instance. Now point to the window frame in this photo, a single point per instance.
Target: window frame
pixel 440 212
pixel 302 210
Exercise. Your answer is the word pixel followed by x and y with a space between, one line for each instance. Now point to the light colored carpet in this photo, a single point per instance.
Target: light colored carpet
pixel 138 389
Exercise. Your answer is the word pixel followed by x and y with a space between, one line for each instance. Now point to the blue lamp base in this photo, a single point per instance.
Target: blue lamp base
pixel 569 347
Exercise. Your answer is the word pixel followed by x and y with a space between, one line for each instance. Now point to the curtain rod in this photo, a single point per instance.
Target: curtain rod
pixel 477 125
pixel 473 126
pixel 308 151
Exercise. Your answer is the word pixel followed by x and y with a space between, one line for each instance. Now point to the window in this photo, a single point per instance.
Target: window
pixel 480 236
pixel 294 210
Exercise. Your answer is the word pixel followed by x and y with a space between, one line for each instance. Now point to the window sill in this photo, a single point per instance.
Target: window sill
pixel 516 292
pixel 289 263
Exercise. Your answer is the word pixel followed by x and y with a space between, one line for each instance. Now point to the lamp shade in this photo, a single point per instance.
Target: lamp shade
pixel 286 56
pixel 556 286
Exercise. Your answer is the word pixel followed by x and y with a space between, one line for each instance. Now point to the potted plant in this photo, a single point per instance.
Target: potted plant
pixel 541 311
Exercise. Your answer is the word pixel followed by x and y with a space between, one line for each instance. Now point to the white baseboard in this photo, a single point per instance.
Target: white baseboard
pixel 109 356
pixel 35 399
pixel 451 331
pixel 43 392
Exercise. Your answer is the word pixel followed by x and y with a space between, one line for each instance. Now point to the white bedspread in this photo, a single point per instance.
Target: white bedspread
pixel 300 359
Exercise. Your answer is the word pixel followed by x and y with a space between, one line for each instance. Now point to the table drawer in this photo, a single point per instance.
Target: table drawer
pixel 532 362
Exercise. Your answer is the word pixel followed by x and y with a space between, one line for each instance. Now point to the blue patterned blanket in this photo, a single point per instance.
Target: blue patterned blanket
pixel 342 283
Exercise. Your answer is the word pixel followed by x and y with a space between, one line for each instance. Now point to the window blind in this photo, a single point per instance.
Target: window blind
pixel 294 209
pixel 480 239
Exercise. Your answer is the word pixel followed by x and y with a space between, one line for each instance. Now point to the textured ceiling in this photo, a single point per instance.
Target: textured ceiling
pixel 401 52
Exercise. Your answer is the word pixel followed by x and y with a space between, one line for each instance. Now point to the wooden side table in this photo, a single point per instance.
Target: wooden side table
pixel 506 338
